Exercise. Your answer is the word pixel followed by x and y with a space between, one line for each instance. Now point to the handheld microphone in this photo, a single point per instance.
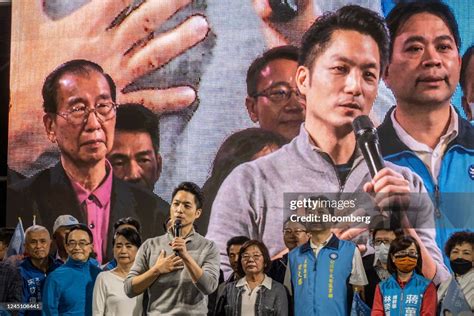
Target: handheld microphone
pixel 177 231
pixel 368 142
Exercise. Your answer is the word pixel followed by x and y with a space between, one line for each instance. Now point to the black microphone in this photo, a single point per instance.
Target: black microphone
pixel 177 231
pixel 368 142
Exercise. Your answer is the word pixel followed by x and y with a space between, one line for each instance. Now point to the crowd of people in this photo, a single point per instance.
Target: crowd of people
pixel 102 243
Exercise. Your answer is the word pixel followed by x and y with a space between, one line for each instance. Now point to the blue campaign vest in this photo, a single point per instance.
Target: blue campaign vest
pixel 406 301
pixel 456 177
pixel 320 284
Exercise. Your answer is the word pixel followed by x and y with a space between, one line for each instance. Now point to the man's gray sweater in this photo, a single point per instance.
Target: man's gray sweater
pixel 251 202
pixel 175 293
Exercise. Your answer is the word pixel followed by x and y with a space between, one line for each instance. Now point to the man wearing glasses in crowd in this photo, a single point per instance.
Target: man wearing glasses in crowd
pixel 272 99
pixel 294 235
pixel 68 289
pixel 80 110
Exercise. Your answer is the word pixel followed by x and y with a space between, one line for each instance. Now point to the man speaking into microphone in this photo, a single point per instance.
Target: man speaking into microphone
pixel 180 268
pixel 342 57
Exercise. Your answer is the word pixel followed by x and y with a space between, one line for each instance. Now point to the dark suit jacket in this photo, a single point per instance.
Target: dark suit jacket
pixel 372 277
pixel 49 194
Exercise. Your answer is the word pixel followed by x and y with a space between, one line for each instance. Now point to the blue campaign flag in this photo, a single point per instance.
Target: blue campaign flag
pixel 17 243
pixel 359 308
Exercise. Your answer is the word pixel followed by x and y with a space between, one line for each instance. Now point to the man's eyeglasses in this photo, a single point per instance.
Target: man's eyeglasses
pixel 255 257
pixel 73 244
pixel 79 113
pixel 378 242
pixel 278 93
pixel 288 231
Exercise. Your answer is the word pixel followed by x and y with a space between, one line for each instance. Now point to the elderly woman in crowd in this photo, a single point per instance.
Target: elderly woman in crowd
pixel 406 291
pixel 109 295
pixel 456 295
pixel 256 293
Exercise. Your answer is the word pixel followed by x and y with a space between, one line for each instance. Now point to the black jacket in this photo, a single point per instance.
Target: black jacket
pixel 49 194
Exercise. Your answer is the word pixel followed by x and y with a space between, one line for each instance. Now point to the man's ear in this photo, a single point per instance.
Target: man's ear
pixel 50 127
pixel 385 76
pixel 198 212
pixel 251 104
pixel 159 166
pixel 466 107
pixel 302 79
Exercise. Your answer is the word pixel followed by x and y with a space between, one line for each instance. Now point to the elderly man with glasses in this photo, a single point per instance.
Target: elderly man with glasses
pixel 80 110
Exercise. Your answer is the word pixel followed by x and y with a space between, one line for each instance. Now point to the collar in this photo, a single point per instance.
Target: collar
pixel 102 193
pixel 333 243
pixel 76 263
pixel 413 144
pixel 468 275
pixel 188 238
pixel 392 145
pixel 267 282
pixel 324 243
pixel 29 264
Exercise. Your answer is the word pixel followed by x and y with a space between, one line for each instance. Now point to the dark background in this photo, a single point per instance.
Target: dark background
pixel 5 38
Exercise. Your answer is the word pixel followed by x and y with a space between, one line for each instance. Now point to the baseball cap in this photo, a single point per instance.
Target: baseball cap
pixel 64 220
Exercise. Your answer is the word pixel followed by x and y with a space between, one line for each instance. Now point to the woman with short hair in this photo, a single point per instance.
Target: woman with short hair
pixel 109 295
pixel 456 294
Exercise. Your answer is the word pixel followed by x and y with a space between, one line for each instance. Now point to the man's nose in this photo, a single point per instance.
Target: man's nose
pixel 134 172
pixel 353 83
pixel 92 121
pixel 294 104
pixel 431 57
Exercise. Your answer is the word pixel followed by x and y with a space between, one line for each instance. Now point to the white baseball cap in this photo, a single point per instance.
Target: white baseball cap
pixel 64 220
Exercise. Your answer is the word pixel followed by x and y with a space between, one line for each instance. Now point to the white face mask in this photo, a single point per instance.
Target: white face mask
pixel 381 253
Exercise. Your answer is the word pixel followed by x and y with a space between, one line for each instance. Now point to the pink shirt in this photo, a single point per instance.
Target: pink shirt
pixel 96 205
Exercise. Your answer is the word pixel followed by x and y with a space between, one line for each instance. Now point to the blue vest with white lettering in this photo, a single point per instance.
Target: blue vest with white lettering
pixel 406 301
pixel 320 284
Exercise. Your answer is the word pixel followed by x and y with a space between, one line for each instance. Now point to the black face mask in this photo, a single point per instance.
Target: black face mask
pixel 461 266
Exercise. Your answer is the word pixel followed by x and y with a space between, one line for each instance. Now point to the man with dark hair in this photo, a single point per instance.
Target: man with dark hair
pixel 10 285
pixel 466 80
pixel 135 155
pixel 324 269
pixel 79 105
pixel 423 131
pixel 272 98
pixel 294 235
pixel 342 59
pixel 233 247
pixel 177 272
pixel 68 289
pixel 6 234
pixel 375 265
